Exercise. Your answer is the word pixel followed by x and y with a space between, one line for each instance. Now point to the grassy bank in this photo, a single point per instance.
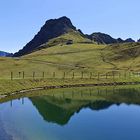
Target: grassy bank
pixel 10 86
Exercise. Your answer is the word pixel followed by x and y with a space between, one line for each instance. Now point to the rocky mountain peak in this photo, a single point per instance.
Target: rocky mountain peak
pixel 129 40
pixel 52 29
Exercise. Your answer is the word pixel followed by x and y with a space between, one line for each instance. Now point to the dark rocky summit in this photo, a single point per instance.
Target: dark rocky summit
pixel 52 29
pixel 129 40
pixel 102 38
pixel 119 40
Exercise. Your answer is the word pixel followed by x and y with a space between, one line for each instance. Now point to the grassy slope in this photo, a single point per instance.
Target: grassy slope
pixel 77 58
pixel 124 56
pixel 75 36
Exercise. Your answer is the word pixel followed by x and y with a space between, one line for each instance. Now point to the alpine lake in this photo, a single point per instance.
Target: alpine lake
pixel 88 113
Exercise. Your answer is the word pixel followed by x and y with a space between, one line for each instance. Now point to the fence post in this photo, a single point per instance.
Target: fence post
pixel 23 76
pixel 33 75
pixel 11 75
pixel 19 74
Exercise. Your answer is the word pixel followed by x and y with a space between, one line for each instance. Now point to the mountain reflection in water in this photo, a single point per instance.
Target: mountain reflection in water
pixel 59 107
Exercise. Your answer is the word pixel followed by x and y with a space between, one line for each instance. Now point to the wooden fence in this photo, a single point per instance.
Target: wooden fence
pixel 73 75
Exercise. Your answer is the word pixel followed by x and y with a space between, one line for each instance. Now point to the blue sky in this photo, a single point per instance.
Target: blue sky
pixel 20 20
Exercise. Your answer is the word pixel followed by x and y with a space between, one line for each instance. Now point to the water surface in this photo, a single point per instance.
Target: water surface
pixel 72 114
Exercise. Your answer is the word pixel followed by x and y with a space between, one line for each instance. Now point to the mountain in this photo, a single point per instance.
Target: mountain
pixel 138 40
pixel 5 54
pixel 61 31
pixel 120 40
pixel 129 40
pixel 102 38
pixel 52 29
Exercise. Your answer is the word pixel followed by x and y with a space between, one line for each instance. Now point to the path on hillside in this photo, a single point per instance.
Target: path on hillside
pixel 53 63
pixel 77 66
pixel 115 66
pixel 106 61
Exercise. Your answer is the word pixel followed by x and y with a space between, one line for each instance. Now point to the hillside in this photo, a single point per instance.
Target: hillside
pixel 77 57
pixel 69 38
pixel 92 57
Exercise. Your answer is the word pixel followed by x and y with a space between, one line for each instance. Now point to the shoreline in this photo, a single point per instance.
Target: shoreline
pixel 66 86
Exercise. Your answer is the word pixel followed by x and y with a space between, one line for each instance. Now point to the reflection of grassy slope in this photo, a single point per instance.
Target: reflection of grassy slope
pixel 59 106
pixel 126 95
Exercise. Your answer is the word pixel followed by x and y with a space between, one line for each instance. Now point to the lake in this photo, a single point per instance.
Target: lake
pixel 100 113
